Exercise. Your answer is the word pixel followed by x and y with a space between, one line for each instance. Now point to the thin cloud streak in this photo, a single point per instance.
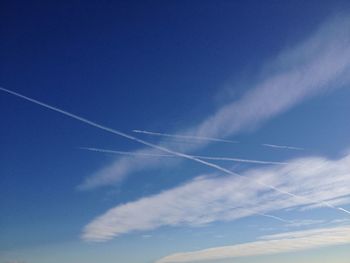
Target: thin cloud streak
pixel 173 156
pixel 213 139
pixel 207 199
pixel 161 148
pixel 274 244
pixel 282 147
pixel 318 64
pixel 179 136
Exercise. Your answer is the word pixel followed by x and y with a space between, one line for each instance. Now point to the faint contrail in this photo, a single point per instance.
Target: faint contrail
pixel 161 148
pixel 171 156
pixel 282 147
pixel 273 217
pixel 212 139
pixel 185 136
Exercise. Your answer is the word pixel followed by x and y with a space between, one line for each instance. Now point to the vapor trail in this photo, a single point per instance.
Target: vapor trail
pixel 185 136
pixel 186 156
pixel 274 217
pixel 213 139
pixel 282 147
pixel 172 156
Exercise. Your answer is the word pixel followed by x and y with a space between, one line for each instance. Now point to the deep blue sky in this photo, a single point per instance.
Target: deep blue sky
pixel 154 65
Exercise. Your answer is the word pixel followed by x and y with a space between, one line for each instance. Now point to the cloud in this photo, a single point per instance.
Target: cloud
pixel 210 198
pixel 274 244
pixel 319 63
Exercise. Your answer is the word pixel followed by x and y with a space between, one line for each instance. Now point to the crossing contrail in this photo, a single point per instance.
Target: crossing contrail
pixel 213 139
pixel 161 148
pixel 185 136
pixel 171 156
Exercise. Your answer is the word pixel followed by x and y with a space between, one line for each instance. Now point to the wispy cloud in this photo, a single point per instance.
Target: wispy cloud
pixel 274 244
pixel 214 158
pixel 207 199
pixel 319 63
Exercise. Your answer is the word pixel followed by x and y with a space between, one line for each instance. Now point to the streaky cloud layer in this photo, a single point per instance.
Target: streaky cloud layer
pixel 207 199
pixel 274 244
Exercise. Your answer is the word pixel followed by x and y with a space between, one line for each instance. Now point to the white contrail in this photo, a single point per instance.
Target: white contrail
pixel 161 148
pixel 171 156
pixel 213 139
pixel 344 210
pixel 185 136
pixel 273 217
pixel 282 147
pixel 125 153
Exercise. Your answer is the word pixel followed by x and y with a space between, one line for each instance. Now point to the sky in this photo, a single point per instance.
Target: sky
pixel 175 131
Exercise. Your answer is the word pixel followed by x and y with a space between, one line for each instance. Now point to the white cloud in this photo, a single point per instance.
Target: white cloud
pixel 274 244
pixel 318 64
pixel 206 199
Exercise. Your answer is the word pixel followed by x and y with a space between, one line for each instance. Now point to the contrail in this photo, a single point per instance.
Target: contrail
pixel 185 136
pixel 282 147
pixel 186 156
pixel 274 217
pixel 171 156
pixel 213 139
pixel 344 210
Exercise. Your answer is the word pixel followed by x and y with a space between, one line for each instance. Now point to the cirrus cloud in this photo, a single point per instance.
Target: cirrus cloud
pixel 274 244
pixel 211 198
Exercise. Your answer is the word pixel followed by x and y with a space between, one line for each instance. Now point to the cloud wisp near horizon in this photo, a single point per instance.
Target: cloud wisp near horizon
pixel 319 63
pixel 207 199
pixel 268 245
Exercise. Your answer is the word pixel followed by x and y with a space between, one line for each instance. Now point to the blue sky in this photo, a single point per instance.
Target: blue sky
pixel 241 151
